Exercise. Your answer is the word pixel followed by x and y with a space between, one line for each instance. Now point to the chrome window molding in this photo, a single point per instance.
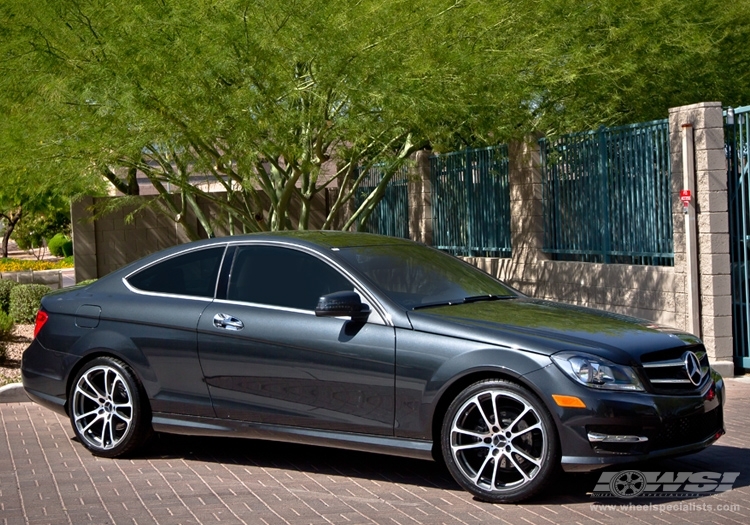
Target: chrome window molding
pixel 357 286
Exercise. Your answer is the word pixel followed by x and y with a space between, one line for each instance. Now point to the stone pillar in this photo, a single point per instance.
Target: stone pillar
pixel 712 214
pixel 84 240
pixel 420 200
pixel 526 217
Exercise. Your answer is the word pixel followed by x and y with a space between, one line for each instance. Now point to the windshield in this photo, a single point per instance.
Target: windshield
pixel 417 276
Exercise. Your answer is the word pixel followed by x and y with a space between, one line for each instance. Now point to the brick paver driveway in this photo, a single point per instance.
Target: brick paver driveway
pixel 47 477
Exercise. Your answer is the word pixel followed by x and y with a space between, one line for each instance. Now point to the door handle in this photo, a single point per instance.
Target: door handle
pixel 228 322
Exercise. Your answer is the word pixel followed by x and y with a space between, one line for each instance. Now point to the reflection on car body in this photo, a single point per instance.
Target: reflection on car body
pixel 369 343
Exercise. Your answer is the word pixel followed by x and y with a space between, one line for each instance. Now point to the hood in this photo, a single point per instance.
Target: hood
pixel 547 327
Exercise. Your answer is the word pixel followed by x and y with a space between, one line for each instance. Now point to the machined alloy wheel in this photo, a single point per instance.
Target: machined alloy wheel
pixel 105 408
pixel 499 441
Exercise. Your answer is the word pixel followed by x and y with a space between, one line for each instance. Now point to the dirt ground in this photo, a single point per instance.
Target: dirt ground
pixel 10 364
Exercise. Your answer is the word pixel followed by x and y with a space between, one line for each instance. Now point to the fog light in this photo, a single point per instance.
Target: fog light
pixel 568 401
pixel 596 437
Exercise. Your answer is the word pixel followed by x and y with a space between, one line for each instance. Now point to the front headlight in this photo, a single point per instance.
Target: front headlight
pixel 597 372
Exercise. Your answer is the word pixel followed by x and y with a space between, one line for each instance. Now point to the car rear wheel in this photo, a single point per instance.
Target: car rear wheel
pixel 499 442
pixel 106 408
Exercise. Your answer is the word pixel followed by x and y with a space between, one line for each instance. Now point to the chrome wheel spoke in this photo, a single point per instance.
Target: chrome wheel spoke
pixel 108 384
pixel 93 387
pixel 494 411
pixel 478 444
pixel 481 469
pixel 469 433
pixel 521 471
pixel 123 417
pixel 525 456
pixel 87 414
pixel 527 429
pixel 81 391
pixel 104 432
pixel 91 423
pixel 526 410
pixel 481 411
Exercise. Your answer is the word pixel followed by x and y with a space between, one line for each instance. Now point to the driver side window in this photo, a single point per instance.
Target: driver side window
pixel 283 277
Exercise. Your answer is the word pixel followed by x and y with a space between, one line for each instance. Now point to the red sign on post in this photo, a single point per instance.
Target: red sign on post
pixel 685 197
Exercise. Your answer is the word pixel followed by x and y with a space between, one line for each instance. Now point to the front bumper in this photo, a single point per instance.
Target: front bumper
pixel 667 425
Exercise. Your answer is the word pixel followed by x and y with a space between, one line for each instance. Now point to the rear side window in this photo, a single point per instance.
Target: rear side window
pixel 192 273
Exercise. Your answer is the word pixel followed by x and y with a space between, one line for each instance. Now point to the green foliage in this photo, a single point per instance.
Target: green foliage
pixel 25 265
pixel 6 325
pixel 42 224
pixel 260 95
pixel 5 287
pixel 60 246
pixel 86 282
pixel 25 300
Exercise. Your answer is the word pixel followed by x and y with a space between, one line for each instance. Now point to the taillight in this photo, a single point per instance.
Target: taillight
pixel 41 318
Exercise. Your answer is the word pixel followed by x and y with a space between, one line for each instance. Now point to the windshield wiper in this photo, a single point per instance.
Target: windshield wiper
pixel 488 297
pixel 470 299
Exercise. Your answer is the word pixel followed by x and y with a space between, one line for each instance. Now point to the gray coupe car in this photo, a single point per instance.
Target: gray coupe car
pixel 371 343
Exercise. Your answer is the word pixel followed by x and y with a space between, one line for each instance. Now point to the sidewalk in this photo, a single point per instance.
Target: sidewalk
pixel 46 477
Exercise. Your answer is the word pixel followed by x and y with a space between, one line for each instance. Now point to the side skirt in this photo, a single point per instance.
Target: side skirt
pixel 197 426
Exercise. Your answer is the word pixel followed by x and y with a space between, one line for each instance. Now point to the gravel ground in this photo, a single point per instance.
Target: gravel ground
pixel 10 365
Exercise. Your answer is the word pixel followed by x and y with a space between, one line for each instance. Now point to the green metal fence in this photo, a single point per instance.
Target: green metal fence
pixel 607 195
pixel 391 214
pixel 471 202
pixel 737 137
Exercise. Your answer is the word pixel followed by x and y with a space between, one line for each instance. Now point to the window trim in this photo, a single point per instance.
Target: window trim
pixel 139 291
pixel 374 304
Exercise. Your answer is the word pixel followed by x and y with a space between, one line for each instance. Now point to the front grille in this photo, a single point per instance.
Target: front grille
pixel 667 370
pixel 687 430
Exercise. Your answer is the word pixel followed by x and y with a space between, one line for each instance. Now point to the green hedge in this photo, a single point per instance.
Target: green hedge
pixel 25 300
pixel 60 246
pixel 6 326
pixel 5 287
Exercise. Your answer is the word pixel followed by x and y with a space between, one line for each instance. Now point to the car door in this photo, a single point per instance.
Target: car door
pixel 159 317
pixel 268 359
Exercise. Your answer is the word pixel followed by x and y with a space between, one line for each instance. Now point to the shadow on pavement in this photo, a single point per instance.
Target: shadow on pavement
pixel 566 489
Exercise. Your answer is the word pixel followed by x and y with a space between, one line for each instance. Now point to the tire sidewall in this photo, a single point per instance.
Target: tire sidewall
pixel 549 467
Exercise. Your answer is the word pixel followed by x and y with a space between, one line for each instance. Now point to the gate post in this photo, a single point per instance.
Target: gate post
pixel 420 199
pixel 710 201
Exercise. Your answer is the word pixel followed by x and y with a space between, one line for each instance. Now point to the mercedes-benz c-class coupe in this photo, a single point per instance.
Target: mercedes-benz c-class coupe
pixel 370 343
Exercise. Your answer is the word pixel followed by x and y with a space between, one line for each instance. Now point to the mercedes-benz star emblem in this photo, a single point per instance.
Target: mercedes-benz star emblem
pixel 692 367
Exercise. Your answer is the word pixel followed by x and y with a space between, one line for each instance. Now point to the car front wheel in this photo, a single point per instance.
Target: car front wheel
pixel 499 442
pixel 106 408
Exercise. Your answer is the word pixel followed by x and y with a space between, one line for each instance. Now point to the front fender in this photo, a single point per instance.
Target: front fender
pixel 429 366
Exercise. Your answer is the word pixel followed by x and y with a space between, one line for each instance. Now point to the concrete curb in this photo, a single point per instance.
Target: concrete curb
pixel 13 393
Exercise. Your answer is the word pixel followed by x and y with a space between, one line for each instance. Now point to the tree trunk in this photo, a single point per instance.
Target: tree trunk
pixel 12 219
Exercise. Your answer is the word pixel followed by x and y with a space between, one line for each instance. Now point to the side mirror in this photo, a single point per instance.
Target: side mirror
pixel 342 304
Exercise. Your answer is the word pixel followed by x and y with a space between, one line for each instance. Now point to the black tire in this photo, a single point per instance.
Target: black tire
pixel 506 462
pixel 109 413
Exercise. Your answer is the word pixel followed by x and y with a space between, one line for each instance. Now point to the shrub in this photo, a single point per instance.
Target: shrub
pixel 6 326
pixel 5 287
pixel 24 301
pixel 60 246
pixel 86 282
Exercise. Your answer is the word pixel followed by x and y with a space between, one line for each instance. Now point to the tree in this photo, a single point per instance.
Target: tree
pixel 257 96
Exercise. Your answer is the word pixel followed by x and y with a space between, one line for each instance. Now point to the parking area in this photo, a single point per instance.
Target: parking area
pixel 48 478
